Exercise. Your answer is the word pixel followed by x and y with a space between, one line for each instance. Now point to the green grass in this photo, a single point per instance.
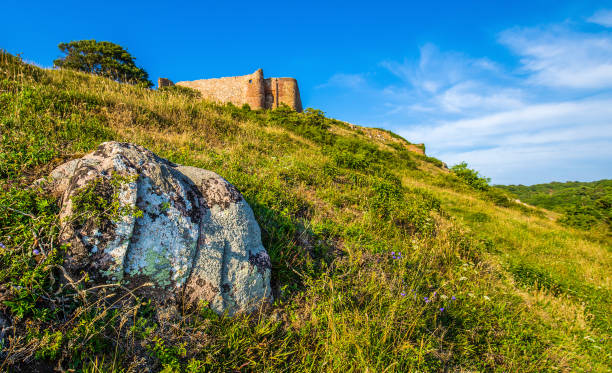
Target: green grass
pixel 333 201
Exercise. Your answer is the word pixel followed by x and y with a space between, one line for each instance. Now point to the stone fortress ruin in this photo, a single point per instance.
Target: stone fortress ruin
pixel 252 89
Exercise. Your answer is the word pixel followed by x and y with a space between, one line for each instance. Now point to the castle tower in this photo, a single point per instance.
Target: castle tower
pixel 255 91
pixel 282 91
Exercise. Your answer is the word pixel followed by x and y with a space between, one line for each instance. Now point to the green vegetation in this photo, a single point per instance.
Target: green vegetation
pixel 584 205
pixel 383 260
pixel 98 202
pixel 471 177
pixel 102 58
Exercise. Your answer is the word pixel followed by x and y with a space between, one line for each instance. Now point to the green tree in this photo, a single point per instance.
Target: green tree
pixel 102 58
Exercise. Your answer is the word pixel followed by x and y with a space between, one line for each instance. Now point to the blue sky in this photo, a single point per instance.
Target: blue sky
pixel 522 91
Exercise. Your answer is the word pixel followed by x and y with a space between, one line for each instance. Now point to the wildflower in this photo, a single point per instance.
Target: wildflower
pixel 441 309
pixel 392 253
pixel 435 292
pixel 443 297
pixel 453 297
pixel 2 246
pixel 35 252
pixel 403 294
pixel 487 298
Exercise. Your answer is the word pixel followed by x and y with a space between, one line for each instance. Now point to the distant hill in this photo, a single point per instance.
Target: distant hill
pixel 584 204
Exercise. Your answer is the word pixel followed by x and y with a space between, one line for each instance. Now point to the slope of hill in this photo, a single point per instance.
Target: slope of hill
pixel 583 204
pixel 383 261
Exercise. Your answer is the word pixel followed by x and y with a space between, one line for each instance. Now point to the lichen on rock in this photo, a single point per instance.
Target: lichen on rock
pixel 186 230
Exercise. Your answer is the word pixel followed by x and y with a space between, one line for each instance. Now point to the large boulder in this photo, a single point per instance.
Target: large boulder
pixel 184 229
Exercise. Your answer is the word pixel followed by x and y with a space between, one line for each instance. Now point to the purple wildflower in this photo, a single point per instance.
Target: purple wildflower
pixel 35 252
pixel 442 309
pixel 403 294
pixel 2 246
pixel 392 253
pixel 453 297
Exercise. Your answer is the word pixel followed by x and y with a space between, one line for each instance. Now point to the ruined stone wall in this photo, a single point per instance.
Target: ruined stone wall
pixel 163 82
pixel 250 89
pixel 238 90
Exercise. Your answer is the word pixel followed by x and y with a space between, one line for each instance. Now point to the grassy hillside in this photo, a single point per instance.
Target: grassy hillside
pixel 383 260
pixel 583 204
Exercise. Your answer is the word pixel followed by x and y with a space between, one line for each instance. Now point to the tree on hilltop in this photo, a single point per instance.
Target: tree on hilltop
pixel 102 58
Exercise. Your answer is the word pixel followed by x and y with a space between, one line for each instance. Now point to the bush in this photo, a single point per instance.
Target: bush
pixel 471 177
pixel 312 124
pixel 435 161
pixel 578 216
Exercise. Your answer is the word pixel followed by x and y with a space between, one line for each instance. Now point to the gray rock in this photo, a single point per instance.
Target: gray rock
pixel 196 238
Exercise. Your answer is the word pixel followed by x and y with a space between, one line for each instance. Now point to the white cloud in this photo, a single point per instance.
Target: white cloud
pixel 493 129
pixel 559 57
pixel 438 70
pixel 537 163
pixel 451 83
pixel 602 17
pixel 476 95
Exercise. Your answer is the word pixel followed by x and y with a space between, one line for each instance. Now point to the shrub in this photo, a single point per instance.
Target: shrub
pixel 435 161
pixel 311 124
pixel 470 177
pixel 578 216
pixel 314 117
